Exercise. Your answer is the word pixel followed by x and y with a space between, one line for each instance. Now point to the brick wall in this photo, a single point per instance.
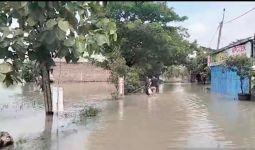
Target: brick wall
pixel 81 72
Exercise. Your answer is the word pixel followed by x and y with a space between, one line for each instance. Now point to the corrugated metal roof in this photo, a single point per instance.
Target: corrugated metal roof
pixel 242 41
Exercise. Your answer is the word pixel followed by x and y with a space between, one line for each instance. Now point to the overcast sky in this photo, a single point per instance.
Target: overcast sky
pixel 204 17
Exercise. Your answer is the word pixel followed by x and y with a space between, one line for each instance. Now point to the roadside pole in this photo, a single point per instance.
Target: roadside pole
pixel 121 86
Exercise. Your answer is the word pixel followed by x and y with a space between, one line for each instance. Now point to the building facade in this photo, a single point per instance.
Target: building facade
pixel 224 81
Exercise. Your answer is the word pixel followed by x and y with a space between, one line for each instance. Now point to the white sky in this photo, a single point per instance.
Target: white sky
pixel 204 17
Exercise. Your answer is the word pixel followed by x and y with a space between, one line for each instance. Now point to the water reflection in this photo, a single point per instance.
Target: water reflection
pixel 182 116
pixel 22 115
pixel 121 109
pixel 46 135
pixel 151 103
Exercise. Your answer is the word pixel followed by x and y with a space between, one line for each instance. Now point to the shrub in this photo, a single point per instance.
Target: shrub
pixel 132 80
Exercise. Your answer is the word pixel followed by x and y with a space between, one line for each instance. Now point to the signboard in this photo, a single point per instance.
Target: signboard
pixel 243 49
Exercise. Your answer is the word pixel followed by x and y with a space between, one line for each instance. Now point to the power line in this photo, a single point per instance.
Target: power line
pixel 213 35
pixel 239 16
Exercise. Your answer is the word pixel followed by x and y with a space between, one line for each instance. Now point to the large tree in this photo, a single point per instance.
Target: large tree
pixel 147 40
pixel 198 63
pixel 48 30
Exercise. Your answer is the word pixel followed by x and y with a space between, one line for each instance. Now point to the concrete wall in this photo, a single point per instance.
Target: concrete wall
pixel 81 72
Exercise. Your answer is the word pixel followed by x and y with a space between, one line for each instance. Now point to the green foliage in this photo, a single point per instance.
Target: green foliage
pixel 253 79
pixel 198 64
pixel 146 42
pixel 145 11
pixel 241 64
pixel 49 30
pixel 29 71
pixel 116 63
pixel 89 112
pixel 176 71
pixel 132 80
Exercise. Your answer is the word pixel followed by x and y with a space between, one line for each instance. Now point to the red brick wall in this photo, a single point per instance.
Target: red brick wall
pixel 81 72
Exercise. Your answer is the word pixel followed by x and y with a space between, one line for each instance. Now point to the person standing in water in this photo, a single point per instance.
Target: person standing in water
pixel 147 85
pixel 154 84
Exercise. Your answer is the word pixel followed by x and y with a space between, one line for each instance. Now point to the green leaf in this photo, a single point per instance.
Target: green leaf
pixel 51 23
pixel 115 37
pixel 80 45
pixel 31 22
pixel 63 25
pixel 70 17
pixel 69 42
pixel 61 35
pixel 112 28
pixel 5 68
pixel 102 39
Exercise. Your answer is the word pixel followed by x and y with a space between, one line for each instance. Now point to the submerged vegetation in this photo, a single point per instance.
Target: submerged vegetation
pixel 89 111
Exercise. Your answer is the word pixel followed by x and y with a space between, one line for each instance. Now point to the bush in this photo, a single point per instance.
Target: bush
pixel 132 80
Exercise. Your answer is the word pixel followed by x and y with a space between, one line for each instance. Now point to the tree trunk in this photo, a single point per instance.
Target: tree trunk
pixel 46 89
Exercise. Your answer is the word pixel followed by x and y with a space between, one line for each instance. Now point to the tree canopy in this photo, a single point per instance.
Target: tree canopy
pixel 147 41
pixel 49 30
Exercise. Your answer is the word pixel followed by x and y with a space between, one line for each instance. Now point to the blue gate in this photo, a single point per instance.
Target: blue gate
pixel 227 82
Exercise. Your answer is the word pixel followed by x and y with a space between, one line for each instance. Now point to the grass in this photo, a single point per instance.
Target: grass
pixel 89 112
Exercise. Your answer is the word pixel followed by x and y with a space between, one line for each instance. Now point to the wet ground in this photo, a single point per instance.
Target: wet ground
pixel 183 116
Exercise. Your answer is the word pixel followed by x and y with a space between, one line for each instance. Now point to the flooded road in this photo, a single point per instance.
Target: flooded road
pixel 183 116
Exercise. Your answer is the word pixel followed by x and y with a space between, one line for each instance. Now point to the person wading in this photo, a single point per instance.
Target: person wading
pixel 154 84
pixel 147 85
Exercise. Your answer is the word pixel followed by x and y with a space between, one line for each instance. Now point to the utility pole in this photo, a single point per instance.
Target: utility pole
pixel 221 25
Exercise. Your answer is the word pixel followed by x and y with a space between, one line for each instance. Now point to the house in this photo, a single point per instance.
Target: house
pixel 225 81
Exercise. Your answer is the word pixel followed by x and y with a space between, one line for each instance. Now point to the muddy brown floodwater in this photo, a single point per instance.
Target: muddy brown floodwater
pixel 183 116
